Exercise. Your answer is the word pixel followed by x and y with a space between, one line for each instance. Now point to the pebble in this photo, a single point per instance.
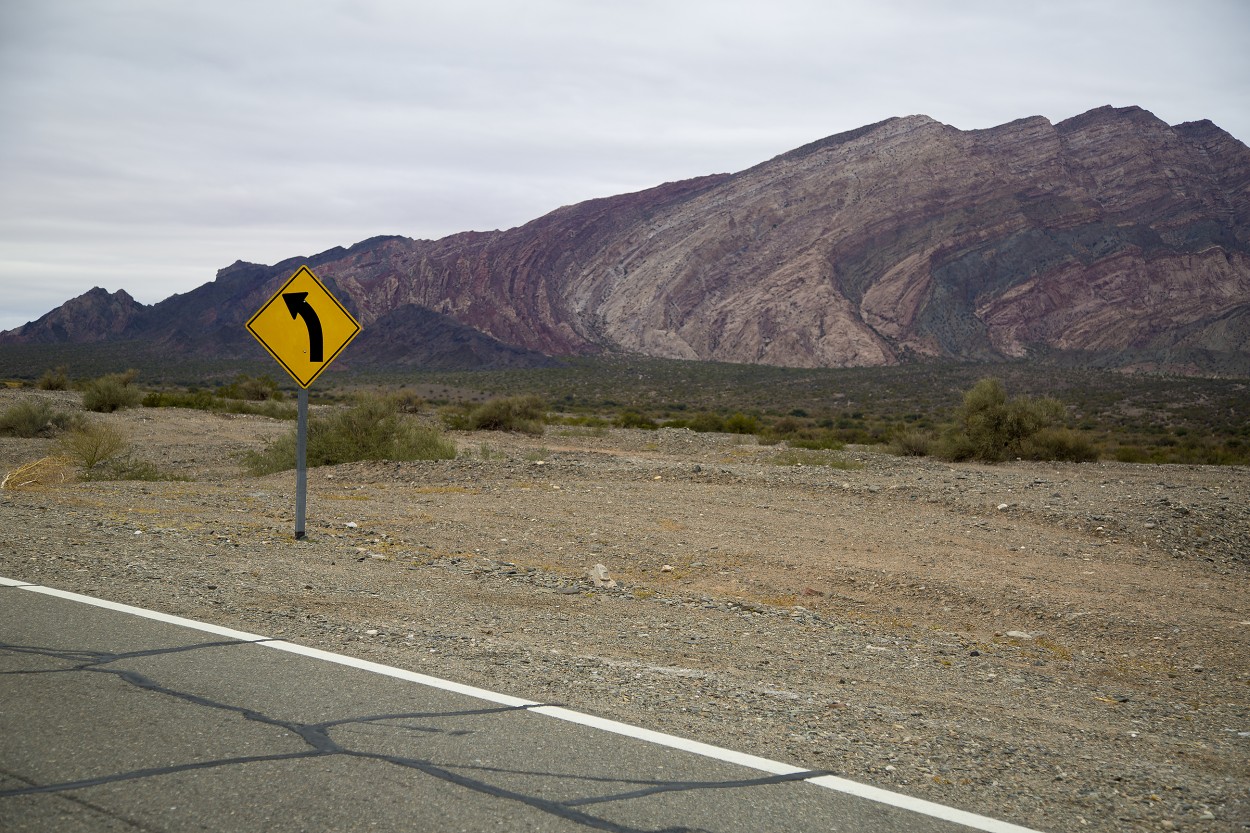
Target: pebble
pixel 599 576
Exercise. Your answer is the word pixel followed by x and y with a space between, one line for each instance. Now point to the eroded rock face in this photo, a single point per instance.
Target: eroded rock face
pixel 96 315
pixel 1111 233
pixel 905 238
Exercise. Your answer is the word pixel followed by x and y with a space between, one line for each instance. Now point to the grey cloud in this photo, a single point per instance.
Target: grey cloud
pixel 144 145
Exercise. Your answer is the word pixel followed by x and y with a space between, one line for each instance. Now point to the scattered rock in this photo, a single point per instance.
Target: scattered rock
pixel 599 576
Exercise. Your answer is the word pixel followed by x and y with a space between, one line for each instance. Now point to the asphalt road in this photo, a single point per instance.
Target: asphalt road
pixel 111 719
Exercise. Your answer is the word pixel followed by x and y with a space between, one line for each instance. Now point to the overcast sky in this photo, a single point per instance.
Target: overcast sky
pixel 146 144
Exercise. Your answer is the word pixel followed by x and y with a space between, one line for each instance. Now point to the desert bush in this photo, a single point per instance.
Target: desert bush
pixel 252 388
pixel 991 428
pixel 705 422
pixel 911 443
pixel 372 429
pixel 54 379
pixel 125 467
pixel 33 419
pixel 201 400
pixel 523 414
pixel 408 402
pixel 634 419
pixel 102 452
pixel 92 444
pixel 739 423
pixel 111 393
pixel 205 401
pixel 1059 444
pixel 787 425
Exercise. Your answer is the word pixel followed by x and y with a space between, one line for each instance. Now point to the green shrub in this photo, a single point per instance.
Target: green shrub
pixel 93 444
pixel 742 424
pixel 408 402
pixel 991 428
pixel 111 393
pixel 799 433
pixel 372 429
pixel 633 419
pixel 54 379
pixel 518 413
pixel 203 400
pixel 200 400
pixel 252 389
pixel 1059 444
pixel 706 423
pixel 586 421
pixel 787 426
pixel 33 419
pixel 911 443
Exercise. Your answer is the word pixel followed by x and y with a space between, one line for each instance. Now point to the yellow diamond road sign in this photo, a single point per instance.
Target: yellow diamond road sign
pixel 303 326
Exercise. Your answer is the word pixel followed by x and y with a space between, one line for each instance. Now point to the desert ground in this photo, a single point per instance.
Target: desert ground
pixel 1063 646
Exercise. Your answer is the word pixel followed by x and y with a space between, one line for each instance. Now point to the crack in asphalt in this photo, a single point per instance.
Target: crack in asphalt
pixel 317 736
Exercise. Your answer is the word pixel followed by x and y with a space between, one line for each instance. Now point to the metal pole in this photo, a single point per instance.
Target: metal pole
pixel 301 467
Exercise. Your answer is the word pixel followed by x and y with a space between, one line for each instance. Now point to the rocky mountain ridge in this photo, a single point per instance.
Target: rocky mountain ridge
pixel 1110 234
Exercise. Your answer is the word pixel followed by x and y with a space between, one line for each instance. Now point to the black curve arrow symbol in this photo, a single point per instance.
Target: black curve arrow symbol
pixel 297 303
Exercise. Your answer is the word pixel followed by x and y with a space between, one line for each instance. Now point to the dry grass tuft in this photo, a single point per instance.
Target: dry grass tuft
pixel 47 471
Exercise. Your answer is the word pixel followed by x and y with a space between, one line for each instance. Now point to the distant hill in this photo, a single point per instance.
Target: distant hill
pixel 1111 236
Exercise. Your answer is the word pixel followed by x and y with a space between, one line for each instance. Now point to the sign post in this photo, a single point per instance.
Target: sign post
pixel 304 333
pixel 301 464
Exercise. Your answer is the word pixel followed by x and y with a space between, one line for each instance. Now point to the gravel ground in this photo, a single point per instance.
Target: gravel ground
pixel 1062 646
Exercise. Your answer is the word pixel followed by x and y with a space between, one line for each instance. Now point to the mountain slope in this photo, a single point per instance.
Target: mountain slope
pixel 1111 234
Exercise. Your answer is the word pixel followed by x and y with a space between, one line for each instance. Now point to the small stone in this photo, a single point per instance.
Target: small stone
pixel 1018 635
pixel 350 524
pixel 1002 506
pixel 667 568
pixel 599 577
pixel 371 632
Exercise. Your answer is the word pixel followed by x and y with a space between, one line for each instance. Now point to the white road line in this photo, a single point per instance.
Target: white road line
pixel 832 782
